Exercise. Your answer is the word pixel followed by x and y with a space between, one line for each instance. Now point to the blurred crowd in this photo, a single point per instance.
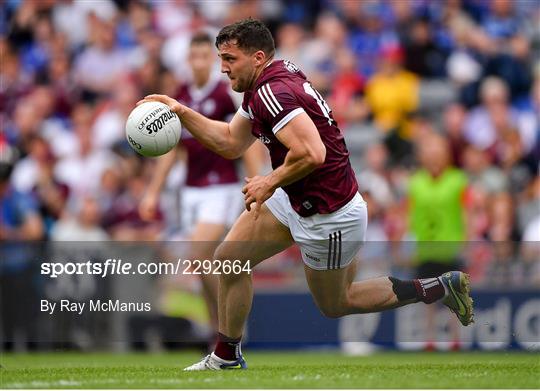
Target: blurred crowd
pixel 420 88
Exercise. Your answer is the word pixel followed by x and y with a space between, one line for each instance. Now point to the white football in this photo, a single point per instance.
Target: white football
pixel 152 129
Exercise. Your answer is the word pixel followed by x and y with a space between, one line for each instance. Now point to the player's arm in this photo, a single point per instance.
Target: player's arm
pixel 229 140
pixel 253 159
pixel 150 201
pixel 306 153
pixel 163 167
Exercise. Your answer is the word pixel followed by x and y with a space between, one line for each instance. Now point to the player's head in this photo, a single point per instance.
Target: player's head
pixel 245 47
pixel 201 57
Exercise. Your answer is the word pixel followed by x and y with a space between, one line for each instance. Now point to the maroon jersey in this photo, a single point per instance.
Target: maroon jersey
pixel 281 93
pixel 204 167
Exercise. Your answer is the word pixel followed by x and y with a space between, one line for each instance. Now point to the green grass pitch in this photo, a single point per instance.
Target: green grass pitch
pixel 314 369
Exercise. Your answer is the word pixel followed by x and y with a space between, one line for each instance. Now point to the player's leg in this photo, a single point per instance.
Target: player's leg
pixel 337 295
pixel 204 241
pixel 201 235
pixel 252 241
pixel 206 214
pixel 330 270
pixel 217 208
pixel 330 267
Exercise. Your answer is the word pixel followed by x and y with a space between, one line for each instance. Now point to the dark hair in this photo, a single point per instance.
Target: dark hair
pixel 249 35
pixel 199 38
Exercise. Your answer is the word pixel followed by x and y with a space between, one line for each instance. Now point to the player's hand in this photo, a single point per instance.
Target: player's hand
pixel 149 206
pixel 175 106
pixel 257 189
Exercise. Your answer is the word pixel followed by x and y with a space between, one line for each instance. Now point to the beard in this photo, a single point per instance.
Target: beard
pixel 236 87
pixel 245 82
pixel 239 85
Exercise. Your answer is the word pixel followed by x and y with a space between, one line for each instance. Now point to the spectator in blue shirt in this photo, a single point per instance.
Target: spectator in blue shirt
pixel 19 222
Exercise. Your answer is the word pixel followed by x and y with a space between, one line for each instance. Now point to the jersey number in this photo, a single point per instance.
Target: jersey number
pixel 320 101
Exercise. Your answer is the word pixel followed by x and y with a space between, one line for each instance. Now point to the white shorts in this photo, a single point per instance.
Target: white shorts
pixel 216 204
pixel 327 241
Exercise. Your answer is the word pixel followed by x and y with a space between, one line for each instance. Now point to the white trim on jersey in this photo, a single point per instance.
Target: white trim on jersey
pixel 243 112
pixel 269 100
pixel 285 120
pixel 269 105
pixel 271 94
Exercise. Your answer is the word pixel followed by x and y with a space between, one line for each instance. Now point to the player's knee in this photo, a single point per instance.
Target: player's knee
pixel 231 269
pixel 223 255
pixel 333 313
pixel 227 251
pixel 228 279
pixel 333 310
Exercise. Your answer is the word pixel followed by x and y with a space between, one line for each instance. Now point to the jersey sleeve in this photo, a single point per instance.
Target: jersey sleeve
pixel 243 109
pixel 276 104
pixel 229 105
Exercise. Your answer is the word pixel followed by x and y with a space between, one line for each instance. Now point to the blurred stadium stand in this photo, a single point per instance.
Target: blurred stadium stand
pixel 394 71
